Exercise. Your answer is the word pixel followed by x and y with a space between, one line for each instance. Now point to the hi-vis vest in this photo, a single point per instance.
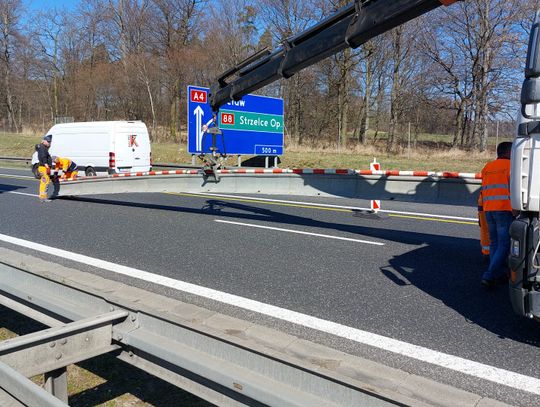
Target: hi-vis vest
pixel 496 186
pixel 64 164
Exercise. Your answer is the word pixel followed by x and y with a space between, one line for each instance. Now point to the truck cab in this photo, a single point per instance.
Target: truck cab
pixel 524 259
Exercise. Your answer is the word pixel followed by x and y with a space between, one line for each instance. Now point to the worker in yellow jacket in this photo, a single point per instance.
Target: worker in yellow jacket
pixel 44 167
pixel 66 165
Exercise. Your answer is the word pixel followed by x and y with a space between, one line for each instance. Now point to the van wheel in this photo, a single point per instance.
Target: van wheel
pixel 90 172
pixel 35 171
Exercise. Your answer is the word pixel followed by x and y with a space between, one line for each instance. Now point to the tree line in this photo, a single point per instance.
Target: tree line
pixel 455 71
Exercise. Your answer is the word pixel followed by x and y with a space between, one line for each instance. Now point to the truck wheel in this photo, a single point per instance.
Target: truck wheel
pixel 35 171
pixel 90 172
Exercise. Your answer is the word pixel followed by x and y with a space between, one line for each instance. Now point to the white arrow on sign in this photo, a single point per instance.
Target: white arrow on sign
pixel 199 113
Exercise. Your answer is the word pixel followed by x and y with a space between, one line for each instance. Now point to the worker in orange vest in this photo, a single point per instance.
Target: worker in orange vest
pixel 498 209
pixel 66 165
pixel 484 232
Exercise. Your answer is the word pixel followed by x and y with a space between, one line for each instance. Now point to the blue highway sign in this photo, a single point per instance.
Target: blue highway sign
pixel 251 126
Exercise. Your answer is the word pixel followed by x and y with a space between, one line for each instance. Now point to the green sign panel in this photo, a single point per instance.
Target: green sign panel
pixel 233 119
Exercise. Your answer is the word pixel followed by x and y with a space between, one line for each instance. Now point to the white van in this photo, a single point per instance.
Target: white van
pixel 101 147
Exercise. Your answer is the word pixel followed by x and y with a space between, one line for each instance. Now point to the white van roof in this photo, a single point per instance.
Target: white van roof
pixel 97 125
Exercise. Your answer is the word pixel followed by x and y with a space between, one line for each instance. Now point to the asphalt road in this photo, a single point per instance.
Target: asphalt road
pixel 410 277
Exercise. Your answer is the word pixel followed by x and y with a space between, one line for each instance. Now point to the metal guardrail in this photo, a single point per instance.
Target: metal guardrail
pixel 158 165
pixel 15 159
pixel 173 165
pixel 226 361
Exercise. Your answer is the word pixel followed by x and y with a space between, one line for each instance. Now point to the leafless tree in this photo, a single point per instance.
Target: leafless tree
pixel 9 37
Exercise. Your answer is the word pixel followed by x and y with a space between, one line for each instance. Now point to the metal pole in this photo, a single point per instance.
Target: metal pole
pixel 17 387
pixel 239 160
pixel 497 137
pixel 56 384
pixel 276 161
pixel 192 159
pixel 266 162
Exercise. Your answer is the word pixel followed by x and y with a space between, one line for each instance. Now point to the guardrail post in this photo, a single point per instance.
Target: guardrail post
pixel 56 384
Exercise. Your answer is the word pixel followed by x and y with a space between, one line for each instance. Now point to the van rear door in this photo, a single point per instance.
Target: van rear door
pixel 132 147
pixel 141 155
pixel 123 150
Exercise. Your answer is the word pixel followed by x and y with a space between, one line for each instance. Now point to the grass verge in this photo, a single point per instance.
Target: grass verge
pixel 423 157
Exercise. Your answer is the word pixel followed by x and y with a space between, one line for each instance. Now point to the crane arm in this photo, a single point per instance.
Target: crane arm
pixel 351 26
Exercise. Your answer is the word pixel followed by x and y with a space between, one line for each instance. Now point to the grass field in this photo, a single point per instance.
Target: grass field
pixel 431 154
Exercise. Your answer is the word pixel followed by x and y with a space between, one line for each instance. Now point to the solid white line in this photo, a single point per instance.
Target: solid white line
pixel 455 363
pixel 16 176
pixel 299 232
pixel 334 206
pixel 19 193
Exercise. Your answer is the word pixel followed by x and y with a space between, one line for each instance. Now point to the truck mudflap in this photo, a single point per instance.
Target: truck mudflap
pixel 524 286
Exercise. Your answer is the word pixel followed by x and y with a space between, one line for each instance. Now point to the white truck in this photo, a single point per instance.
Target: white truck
pixel 106 147
pixel 524 258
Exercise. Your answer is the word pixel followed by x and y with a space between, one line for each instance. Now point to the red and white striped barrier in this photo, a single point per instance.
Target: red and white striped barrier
pixel 444 174
pixel 298 171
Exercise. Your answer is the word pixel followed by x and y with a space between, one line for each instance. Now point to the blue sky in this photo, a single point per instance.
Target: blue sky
pixel 48 4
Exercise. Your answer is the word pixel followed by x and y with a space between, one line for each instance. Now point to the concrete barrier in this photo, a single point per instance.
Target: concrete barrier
pixel 347 183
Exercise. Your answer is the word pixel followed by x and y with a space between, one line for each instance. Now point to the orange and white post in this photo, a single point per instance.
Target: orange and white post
pixel 374 166
pixel 375 205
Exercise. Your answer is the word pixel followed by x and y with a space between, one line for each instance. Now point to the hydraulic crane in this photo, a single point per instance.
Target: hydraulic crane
pixel 351 26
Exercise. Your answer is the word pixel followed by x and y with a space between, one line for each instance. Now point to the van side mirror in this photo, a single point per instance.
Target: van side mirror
pixel 530 92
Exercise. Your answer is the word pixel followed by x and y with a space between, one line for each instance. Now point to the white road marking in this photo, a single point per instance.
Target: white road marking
pixel 19 193
pixel 335 206
pixel 300 232
pixel 494 374
pixel 16 176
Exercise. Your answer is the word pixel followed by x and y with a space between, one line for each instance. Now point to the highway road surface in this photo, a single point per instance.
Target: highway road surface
pixel 401 288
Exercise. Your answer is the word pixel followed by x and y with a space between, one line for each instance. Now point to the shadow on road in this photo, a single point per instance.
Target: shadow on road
pixel 448 269
pixel 451 273
pixel 9 188
pixel 239 211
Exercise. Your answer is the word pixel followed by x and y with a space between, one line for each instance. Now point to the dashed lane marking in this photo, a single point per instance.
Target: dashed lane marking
pixel 299 232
